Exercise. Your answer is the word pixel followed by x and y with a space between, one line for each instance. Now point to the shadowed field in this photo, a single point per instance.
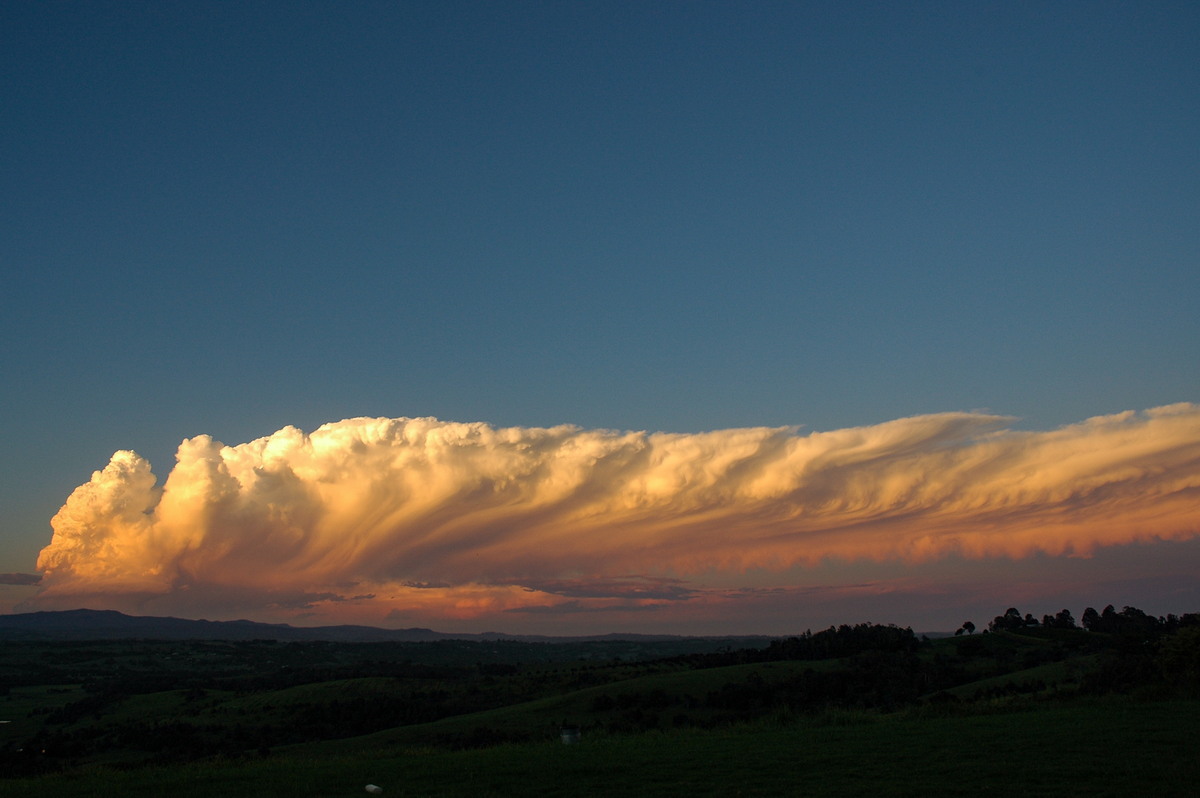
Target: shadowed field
pixel 847 711
pixel 1112 747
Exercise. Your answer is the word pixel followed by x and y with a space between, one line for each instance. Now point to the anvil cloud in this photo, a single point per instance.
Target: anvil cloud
pixel 422 516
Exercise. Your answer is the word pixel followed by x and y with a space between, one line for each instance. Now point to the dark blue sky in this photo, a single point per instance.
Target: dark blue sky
pixel 227 217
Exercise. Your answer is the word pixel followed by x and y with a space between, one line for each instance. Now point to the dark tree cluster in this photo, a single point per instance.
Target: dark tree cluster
pixel 1012 621
pixel 1132 622
pixel 1063 620
pixel 842 641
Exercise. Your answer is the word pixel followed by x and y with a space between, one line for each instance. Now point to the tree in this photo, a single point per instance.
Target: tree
pixel 1180 657
pixel 1091 619
pixel 968 627
pixel 1011 619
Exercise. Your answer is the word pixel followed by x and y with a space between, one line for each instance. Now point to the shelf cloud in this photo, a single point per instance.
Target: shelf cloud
pixel 466 519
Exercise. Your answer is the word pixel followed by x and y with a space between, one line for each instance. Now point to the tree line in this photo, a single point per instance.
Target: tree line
pixel 1130 621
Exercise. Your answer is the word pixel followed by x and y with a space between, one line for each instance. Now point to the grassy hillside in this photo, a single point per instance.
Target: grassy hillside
pixel 1110 747
pixel 846 711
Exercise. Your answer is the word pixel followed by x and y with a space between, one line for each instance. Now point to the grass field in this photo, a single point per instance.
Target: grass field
pixel 1115 746
pixel 864 710
pixel 541 718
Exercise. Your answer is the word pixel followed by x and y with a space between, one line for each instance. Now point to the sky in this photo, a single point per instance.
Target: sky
pixel 595 317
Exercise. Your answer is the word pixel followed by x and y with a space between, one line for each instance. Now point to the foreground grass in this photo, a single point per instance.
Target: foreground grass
pixel 1114 747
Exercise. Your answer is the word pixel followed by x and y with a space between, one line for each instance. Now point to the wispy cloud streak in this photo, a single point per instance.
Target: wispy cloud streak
pixel 479 517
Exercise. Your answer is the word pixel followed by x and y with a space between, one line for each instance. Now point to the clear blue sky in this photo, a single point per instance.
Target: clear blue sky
pixel 223 218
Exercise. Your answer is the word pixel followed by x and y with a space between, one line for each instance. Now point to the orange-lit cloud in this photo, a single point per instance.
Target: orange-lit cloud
pixel 424 518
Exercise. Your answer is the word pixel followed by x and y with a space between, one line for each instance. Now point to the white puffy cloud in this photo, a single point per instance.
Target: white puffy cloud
pixel 472 519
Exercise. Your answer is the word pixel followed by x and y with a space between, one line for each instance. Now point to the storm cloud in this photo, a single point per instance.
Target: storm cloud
pixel 471 518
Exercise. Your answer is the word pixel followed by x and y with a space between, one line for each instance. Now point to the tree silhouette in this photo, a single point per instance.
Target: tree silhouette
pixel 1011 619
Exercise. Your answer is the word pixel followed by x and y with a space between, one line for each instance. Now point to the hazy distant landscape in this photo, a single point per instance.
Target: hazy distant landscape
pixel 1044 706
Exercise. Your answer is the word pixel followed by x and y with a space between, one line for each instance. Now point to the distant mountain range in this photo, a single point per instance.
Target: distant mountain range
pixel 112 625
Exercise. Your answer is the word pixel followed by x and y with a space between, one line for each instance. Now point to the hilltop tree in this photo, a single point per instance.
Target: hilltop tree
pixel 1130 622
pixel 1064 620
pixel 1011 619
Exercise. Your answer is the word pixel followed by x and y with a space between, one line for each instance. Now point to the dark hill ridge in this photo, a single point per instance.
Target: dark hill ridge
pixel 113 625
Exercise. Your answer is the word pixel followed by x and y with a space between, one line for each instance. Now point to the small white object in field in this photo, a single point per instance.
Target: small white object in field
pixel 374 789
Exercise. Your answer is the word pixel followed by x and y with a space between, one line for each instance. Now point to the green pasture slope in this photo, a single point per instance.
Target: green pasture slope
pixel 655 700
pixel 1015 712
pixel 1115 746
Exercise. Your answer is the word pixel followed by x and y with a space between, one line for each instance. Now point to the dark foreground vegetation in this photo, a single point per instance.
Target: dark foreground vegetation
pixel 1039 707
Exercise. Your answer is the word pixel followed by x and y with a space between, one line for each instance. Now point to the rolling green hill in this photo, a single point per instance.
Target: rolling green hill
pixel 843 711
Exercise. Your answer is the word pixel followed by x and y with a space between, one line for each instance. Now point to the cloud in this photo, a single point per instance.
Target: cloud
pixel 577 607
pixel 466 519
pixel 20 579
pixel 638 587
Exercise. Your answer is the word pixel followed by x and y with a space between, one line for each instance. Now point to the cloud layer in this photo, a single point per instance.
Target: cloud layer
pixel 426 516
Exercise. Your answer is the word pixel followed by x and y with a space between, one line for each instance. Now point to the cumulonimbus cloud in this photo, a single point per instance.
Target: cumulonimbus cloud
pixel 471 514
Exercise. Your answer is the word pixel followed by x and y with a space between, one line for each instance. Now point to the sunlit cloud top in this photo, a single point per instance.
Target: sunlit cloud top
pixel 426 511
